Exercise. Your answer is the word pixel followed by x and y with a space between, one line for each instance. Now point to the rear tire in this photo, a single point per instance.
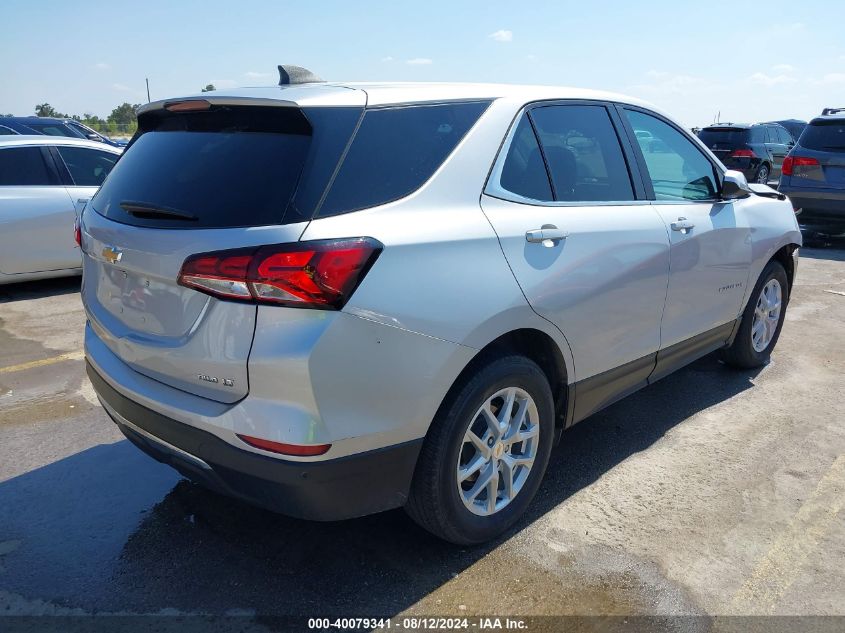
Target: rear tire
pixel 452 467
pixel 762 320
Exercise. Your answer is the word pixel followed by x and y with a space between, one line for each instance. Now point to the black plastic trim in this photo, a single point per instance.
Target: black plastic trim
pixel 597 392
pixel 676 356
pixel 327 490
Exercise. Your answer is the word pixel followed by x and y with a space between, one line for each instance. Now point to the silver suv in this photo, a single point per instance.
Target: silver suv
pixel 335 299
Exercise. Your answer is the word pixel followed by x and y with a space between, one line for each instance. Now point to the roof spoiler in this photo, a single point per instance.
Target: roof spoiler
pixel 289 75
pixel 827 111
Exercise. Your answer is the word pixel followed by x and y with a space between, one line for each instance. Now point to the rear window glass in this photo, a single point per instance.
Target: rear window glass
pixel 395 151
pixel 226 167
pixel 726 136
pixel 23 166
pixel 827 136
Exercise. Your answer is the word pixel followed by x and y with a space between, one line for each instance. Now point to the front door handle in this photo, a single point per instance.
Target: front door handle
pixel 683 225
pixel 548 236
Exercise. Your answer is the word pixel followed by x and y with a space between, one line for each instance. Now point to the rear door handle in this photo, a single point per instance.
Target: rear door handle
pixel 683 225
pixel 549 235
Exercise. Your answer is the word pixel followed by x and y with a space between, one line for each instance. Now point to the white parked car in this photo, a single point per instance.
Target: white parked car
pixel 41 180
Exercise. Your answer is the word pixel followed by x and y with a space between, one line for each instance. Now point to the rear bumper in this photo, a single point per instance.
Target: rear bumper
pixel 818 208
pixel 328 490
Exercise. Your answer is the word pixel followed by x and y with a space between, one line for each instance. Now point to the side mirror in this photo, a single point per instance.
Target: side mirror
pixel 735 186
pixel 94 137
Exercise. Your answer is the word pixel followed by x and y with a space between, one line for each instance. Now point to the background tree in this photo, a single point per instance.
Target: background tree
pixel 45 109
pixel 209 88
pixel 124 114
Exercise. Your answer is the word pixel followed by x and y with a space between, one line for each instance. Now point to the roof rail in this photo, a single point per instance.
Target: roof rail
pixel 289 74
pixel 827 111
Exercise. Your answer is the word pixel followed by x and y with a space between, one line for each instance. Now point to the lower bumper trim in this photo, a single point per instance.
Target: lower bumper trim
pixel 328 490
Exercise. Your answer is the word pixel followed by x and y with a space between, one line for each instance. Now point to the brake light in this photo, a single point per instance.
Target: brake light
pixel 802 167
pixel 286 449
pixel 743 153
pixel 77 232
pixel 320 274
pixel 192 105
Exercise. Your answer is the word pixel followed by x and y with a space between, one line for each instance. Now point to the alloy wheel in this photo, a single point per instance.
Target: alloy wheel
pixel 498 451
pixel 766 315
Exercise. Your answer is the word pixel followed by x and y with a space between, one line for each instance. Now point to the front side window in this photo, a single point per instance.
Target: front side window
pixel 22 167
pixel 784 136
pixel 87 167
pixel 4 131
pixel 583 154
pixel 677 168
pixel 395 151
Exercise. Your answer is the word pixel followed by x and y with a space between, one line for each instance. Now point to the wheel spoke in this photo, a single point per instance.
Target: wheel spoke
pixel 522 436
pixel 506 411
pixel 482 482
pixel 518 421
pixel 492 421
pixel 465 472
pixel 493 491
pixel 479 444
pixel 507 478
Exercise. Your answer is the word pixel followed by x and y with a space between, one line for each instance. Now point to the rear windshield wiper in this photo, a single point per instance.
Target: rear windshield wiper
pixel 155 212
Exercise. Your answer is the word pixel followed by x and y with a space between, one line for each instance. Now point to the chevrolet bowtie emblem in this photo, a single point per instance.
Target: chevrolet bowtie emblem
pixel 111 254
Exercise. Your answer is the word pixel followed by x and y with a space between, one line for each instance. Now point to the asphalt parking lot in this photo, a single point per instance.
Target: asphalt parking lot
pixel 712 492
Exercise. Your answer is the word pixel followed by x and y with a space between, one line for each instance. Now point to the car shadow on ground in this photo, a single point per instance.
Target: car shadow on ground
pixel 108 529
pixel 38 289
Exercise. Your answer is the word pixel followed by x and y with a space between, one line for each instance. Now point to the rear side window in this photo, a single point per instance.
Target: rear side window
pixel 23 166
pixel 583 153
pixel 827 136
pixel 524 172
pixel 87 167
pixel 395 151
pixel 54 129
pixel 228 166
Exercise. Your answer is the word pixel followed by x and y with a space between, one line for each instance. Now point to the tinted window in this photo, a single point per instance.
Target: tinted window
pixel 22 166
pixel 225 167
pixel 678 170
pixel 583 153
pixel 87 167
pixel 54 129
pixel 711 136
pixel 6 131
pixel 824 135
pixel 784 136
pixel 524 172
pixel 395 151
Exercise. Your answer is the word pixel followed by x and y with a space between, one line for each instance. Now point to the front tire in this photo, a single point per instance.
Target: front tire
pixel 485 454
pixel 762 320
pixel 762 175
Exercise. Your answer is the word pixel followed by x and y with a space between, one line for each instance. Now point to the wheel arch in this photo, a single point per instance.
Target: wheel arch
pixel 538 346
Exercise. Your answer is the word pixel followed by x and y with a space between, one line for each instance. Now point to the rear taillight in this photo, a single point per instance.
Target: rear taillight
pixel 77 232
pixel 802 167
pixel 319 274
pixel 743 153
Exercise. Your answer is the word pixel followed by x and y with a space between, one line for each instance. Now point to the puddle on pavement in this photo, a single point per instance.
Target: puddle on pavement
pixel 502 584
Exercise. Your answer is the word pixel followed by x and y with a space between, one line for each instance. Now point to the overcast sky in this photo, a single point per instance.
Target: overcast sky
pixel 692 59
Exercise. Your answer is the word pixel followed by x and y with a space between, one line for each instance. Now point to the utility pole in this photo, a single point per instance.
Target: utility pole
pixel 148 88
